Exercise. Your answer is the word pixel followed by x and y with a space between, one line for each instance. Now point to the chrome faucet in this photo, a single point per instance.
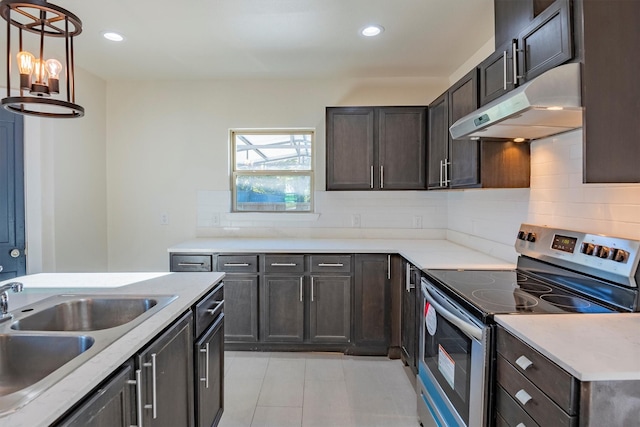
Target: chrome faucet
pixel 4 298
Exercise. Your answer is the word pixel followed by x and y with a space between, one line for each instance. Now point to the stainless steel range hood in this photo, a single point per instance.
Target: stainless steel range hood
pixel 545 106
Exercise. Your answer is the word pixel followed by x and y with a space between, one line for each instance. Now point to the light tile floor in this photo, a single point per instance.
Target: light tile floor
pixel 316 390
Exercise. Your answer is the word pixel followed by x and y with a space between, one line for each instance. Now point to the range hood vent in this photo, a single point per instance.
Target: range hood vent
pixel 547 105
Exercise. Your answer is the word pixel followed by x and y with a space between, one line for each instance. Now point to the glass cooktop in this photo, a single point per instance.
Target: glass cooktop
pixel 512 291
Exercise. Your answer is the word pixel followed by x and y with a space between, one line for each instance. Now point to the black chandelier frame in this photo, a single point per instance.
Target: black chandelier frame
pixel 49 21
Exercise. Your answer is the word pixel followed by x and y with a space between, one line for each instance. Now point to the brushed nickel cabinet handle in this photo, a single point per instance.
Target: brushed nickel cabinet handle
pixel 381 177
pixel 371 177
pixel 283 264
pixel 331 264
pixel 523 397
pixel 236 264
pixel 301 278
pixel 504 70
pixel 523 362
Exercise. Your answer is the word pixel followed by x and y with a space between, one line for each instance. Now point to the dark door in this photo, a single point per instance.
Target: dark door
pixel 330 309
pixel 12 228
pixel 241 308
pixel 465 153
pixel 372 303
pixel 350 156
pixel 496 73
pixel 438 141
pixel 209 366
pixel 283 308
pixel 402 148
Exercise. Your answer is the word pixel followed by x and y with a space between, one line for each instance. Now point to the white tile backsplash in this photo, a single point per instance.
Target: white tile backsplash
pixel 486 220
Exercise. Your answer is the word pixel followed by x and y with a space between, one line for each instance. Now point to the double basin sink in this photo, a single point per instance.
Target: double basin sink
pixel 47 340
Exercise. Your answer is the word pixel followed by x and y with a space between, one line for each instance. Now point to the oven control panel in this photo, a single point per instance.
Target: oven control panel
pixel 613 258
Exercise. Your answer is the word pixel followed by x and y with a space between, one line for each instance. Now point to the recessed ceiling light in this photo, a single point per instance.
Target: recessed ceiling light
pixel 371 30
pixel 114 37
pixel 518 139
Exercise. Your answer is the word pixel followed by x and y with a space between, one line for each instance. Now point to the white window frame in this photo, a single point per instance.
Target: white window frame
pixel 272 131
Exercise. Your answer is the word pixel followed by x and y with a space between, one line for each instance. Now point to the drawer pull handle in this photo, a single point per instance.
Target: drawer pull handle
pixel 331 264
pixel 523 362
pixel 191 264
pixel 523 397
pixel 521 425
pixel 215 307
pixel 236 264
pixel 283 264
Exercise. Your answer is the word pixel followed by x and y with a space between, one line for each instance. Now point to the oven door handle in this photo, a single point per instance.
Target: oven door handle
pixel 470 330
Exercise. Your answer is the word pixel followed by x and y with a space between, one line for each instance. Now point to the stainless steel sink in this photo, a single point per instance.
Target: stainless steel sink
pixel 26 359
pixel 53 337
pixel 86 314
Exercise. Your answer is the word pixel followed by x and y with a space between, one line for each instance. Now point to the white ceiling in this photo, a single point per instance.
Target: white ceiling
pixel 199 39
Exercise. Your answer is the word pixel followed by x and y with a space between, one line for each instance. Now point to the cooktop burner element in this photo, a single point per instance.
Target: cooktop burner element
pixel 502 298
pixel 566 301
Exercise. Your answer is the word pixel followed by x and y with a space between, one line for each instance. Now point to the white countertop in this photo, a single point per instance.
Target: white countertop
pixel 53 402
pixel 423 254
pixel 591 347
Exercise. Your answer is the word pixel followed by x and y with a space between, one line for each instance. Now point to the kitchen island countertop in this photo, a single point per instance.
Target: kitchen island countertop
pixel 53 402
pixel 591 347
pixel 422 253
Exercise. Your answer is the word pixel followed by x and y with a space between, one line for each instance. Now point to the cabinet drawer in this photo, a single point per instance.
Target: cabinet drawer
pixel 238 263
pixel 188 262
pixel 330 263
pixel 284 263
pixel 209 309
pixel 549 377
pixel 539 406
pixel 509 413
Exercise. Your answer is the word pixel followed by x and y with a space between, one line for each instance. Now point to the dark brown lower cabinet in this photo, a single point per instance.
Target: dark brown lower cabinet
pixel 209 367
pixel 282 309
pixel 112 405
pixel 166 367
pixel 330 309
pixel 372 323
pixel 241 308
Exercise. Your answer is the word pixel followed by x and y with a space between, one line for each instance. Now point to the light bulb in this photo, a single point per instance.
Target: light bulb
pixel 53 68
pixel 39 71
pixel 26 62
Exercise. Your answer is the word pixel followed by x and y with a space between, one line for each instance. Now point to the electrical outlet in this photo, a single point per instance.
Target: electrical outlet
pixel 355 220
pixel 215 220
pixel 417 221
pixel 164 218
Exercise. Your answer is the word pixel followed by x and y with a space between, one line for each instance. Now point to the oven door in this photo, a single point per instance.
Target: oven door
pixel 454 361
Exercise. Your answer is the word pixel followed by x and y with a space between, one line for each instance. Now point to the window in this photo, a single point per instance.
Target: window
pixel 272 170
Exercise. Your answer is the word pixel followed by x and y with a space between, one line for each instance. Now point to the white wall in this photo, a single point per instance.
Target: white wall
pixel 65 185
pixel 168 152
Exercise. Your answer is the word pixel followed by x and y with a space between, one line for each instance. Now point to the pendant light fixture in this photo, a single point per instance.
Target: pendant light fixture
pixel 40 72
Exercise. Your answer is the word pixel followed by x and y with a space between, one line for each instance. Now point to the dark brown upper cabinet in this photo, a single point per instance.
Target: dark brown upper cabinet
pixel 467 163
pixel 376 148
pixel 532 36
pixel 610 90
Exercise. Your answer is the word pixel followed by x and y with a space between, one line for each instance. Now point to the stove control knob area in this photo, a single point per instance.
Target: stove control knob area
pixel 604 252
pixel 587 248
pixel 522 235
pixel 620 255
pixel 531 237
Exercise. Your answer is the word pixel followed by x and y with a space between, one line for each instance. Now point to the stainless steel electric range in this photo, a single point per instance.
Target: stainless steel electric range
pixel 558 271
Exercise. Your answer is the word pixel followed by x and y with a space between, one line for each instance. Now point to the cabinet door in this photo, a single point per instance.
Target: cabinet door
pixel 209 367
pixel 241 308
pixel 167 377
pixel 510 17
pixel 350 152
pixel 402 148
pixel 330 309
pixel 409 311
pixel 546 42
pixel 496 73
pixel 465 153
pixel 282 308
pixel 112 405
pixel 438 141
pixel 372 297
